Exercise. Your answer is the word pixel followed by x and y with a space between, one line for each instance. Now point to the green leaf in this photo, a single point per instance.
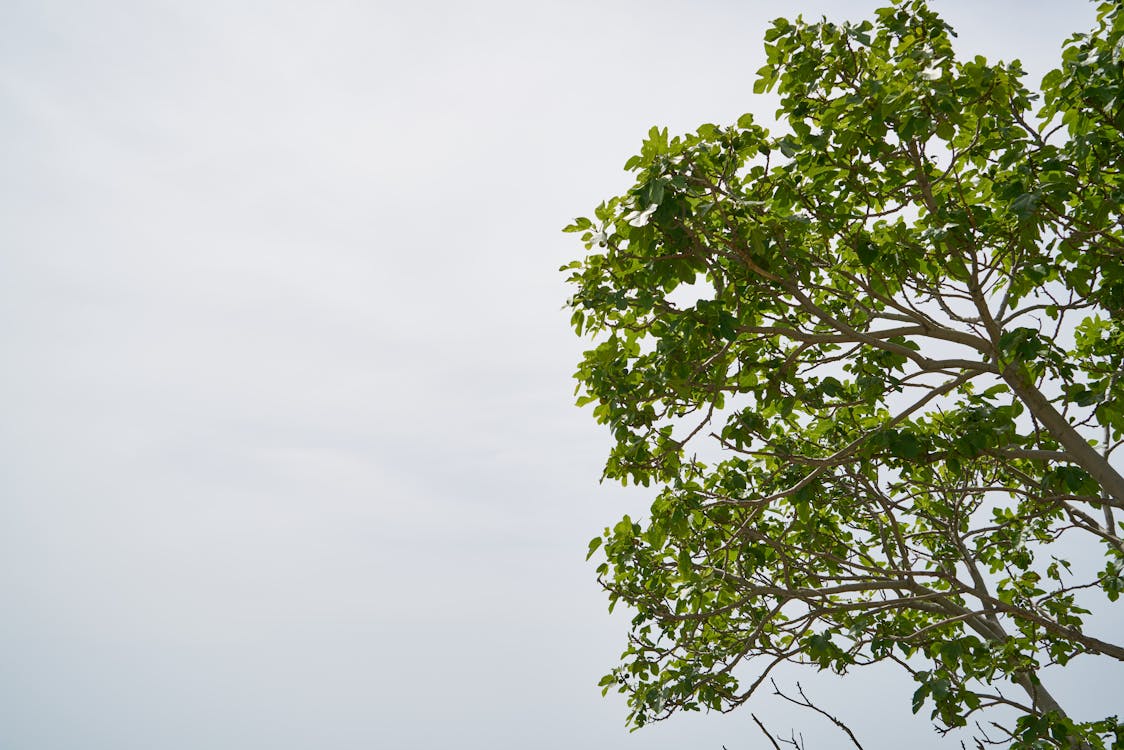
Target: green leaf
pixel 905 445
pixel 1026 204
pixel 867 252
pixel 919 696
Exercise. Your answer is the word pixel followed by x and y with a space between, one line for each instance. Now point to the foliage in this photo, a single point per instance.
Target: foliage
pixel 873 367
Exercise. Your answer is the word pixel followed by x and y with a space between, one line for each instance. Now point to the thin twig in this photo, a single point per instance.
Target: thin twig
pixel 808 704
pixel 764 730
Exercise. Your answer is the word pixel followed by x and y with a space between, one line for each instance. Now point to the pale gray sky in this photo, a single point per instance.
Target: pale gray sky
pixel 289 453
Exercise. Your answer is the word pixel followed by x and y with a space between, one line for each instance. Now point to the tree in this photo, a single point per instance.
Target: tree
pixel 874 367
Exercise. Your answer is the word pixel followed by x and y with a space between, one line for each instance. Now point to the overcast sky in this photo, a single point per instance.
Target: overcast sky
pixel 289 455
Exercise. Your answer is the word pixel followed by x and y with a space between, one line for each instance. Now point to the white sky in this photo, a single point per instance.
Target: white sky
pixel 289 453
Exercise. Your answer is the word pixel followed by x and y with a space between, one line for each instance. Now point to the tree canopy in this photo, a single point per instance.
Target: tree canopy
pixel 873 366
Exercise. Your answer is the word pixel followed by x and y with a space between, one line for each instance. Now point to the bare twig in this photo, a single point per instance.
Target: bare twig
pixel 806 703
pixel 764 731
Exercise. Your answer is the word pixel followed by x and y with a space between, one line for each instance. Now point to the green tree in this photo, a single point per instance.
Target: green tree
pixel 873 365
